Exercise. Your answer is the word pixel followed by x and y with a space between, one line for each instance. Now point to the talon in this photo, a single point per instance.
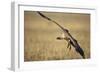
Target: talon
pixel 70 48
pixel 69 45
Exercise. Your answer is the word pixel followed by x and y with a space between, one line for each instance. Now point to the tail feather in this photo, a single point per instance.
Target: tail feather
pixel 43 16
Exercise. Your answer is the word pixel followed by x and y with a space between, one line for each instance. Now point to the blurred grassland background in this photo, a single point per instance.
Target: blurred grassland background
pixel 40 35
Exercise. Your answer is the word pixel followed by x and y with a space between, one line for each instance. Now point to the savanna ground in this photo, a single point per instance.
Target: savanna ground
pixel 40 35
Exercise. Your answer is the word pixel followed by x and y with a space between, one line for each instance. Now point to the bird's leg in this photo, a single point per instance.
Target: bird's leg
pixel 69 44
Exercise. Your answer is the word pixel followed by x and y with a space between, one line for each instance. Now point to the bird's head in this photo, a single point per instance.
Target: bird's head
pixel 66 30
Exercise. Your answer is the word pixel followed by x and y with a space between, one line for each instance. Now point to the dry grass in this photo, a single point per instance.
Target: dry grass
pixel 40 36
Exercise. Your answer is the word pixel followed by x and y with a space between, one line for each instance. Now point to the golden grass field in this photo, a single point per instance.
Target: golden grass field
pixel 40 35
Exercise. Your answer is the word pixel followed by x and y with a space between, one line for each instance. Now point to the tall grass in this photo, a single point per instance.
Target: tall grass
pixel 40 35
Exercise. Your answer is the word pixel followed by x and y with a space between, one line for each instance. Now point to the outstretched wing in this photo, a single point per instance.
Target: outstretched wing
pixel 50 20
pixel 78 49
pixel 43 16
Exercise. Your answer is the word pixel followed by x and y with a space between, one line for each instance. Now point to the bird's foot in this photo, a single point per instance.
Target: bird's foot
pixel 69 45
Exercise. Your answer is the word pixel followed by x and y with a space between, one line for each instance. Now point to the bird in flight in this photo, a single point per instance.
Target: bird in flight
pixel 66 36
